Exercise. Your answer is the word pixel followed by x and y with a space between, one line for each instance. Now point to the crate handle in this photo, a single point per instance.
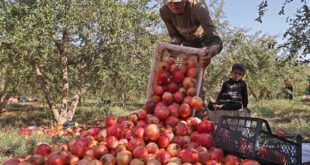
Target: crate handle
pixel 200 77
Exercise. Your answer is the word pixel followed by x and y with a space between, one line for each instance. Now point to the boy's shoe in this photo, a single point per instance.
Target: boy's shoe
pixel 201 114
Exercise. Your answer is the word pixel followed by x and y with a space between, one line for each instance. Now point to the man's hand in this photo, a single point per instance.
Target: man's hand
pixel 205 58
pixel 207 54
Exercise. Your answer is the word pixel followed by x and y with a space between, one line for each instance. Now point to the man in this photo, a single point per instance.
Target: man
pixel 189 23
pixel 288 89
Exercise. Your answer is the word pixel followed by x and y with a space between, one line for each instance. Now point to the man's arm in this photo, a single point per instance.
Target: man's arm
pixel 203 16
pixel 172 31
pixel 214 43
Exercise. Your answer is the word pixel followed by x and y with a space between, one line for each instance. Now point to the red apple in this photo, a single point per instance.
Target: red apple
pixel 134 143
pixel 172 87
pixel 181 129
pixel 170 61
pixel 205 140
pixel 140 152
pixel 152 148
pixel 173 149
pixel 133 117
pixel 183 69
pixel 112 142
pixel 171 121
pixel 203 154
pixel 189 82
pixel 167 98
pixel 173 68
pixel 163 156
pixel 78 150
pixel 196 103
pixel 115 130
pixel 216 154
pixel 152 132
pixel 162 77
pixel 191 91
pixel 212 162
pixel 190 155
pixel 42 149
pixel 249 162
pixel 192 72
pixel 110 120
pixel 163 66
pixel 187 99
pixel 57 158
pixel 162 112
pixel 182 140
pixel 192 62
pixel 184 110
pixel 124 157
pixel 231 160
pixel 149 107
pixel 206 126
pixel 156 99
pixel 178 76
pixel 93 131
pixel 194 136
pixel 178 97
pixel 174 109
pixel 280 133
pixel 108 159
pixel 142 114
pixel 163 141
pixel 100 150
pixel 138 132
pixel 158 90
pixel 193 123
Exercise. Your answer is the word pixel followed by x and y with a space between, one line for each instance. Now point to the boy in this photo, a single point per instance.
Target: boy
pixel 233 95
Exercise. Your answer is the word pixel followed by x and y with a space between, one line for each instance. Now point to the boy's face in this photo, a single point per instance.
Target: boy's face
pixel 237 74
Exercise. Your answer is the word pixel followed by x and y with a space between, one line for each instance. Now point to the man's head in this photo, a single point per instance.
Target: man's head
pixel 176 6
pixel 237 71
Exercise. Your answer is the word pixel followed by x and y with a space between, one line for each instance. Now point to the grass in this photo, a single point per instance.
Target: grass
pixel 23 115
pixel 291 116
pixel 13 144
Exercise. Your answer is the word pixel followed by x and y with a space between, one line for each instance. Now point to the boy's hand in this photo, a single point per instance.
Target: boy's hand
pixel 217 107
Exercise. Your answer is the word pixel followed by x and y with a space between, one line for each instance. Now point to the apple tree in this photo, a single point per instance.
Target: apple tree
pixel 298 34
pixel 67 44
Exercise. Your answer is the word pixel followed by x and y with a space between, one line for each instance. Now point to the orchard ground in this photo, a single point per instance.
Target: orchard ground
pixel 290 116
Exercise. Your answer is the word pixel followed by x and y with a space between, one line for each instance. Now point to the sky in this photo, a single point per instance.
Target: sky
pixel 242 13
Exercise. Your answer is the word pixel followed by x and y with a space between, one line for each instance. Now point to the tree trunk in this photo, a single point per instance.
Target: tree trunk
pixel 4 99
pixel 63 51
pixel 6 94
pixel 46 92
pixel 78 92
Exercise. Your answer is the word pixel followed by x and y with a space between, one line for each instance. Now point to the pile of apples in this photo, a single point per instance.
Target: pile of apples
pixel 162 132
